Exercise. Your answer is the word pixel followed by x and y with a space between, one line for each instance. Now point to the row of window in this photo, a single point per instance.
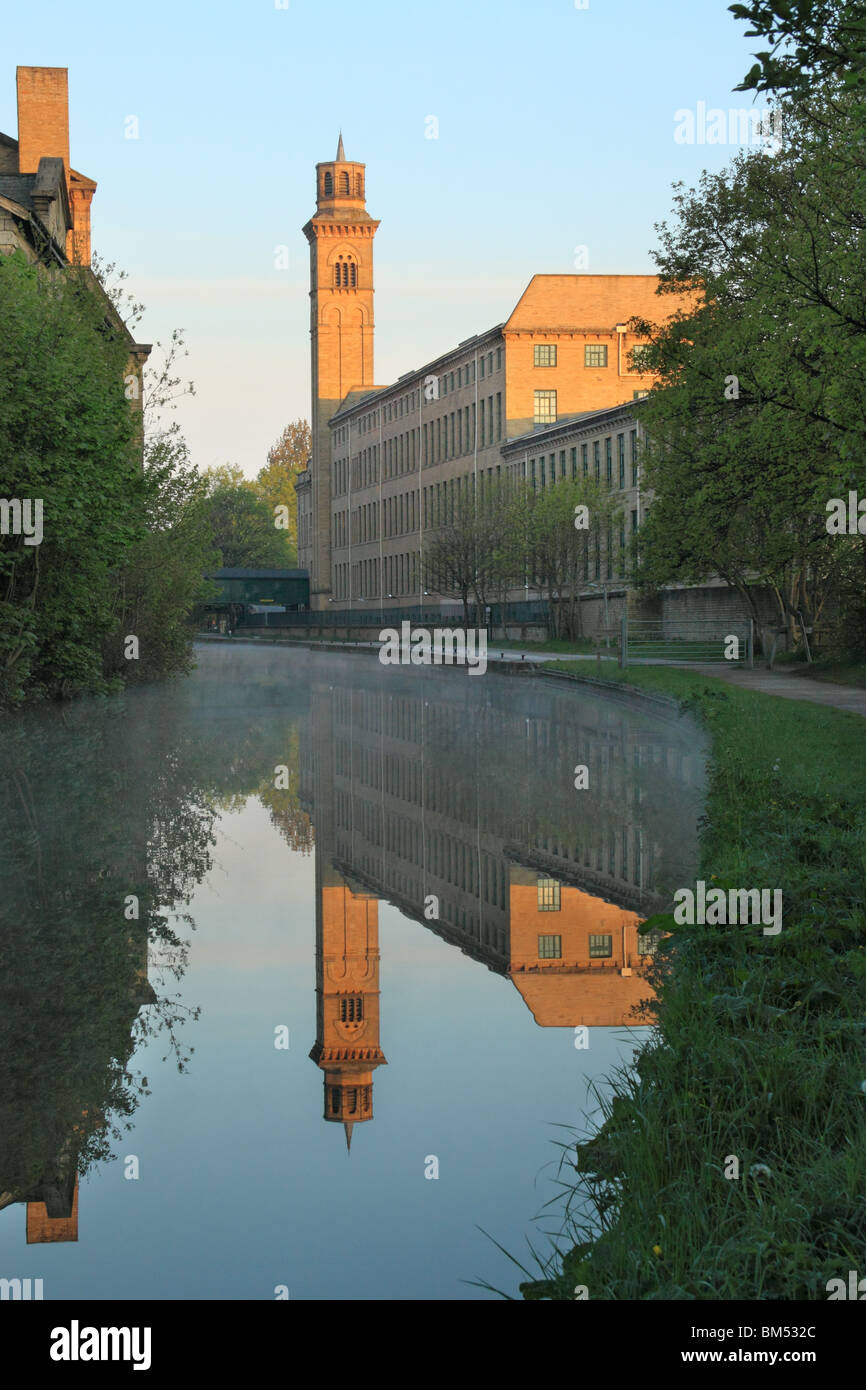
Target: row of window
pixel 439 504
pixel 600 947
pixel 450 436
pixel 544 355
pixel 445 858
pixel 544 468
pixel 404 405
pixel 594 355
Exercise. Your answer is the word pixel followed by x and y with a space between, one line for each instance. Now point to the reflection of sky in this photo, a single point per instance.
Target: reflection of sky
pixel 243 1185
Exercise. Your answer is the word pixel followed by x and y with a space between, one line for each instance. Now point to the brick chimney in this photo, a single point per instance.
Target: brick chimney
pixel 43 130
pixel 43 117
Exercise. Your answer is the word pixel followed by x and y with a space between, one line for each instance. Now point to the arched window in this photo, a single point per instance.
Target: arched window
pixel 329 185
pixel 344 183
pixel 345 274
pixel 359 186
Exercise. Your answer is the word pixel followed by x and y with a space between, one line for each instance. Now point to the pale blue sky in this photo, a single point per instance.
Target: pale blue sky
pixel 556 130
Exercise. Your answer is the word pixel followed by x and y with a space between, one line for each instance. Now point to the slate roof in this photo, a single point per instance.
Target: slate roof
pixel 18 187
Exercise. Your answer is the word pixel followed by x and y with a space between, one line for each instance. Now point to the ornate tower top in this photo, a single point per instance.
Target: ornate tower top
pixel 340 189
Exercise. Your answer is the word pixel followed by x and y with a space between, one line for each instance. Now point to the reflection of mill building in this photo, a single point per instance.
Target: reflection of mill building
pixel 541 887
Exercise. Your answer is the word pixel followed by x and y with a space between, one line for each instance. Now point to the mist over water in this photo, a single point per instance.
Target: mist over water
pixel 293 955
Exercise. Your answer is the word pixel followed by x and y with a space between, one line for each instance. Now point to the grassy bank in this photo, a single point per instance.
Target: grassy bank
pixel 760 1050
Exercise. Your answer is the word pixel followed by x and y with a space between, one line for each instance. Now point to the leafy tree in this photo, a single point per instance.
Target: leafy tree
pixel 757 420
pixel 69 438
pixel 242 525
pixel 560 548
pixel 275 483
pixel 161 580
pixel 811 41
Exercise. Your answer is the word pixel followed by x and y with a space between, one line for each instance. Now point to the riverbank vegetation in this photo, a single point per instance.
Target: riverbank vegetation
pixel 122 540
pixel 732 1160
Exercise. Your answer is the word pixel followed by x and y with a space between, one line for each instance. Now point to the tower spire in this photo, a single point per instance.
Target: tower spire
pixel 341 153
pixel 347 1126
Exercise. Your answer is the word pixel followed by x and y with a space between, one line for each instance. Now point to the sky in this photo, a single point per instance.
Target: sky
pixel 498 138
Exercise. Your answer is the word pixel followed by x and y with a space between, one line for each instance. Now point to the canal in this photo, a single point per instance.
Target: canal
pixel 308 965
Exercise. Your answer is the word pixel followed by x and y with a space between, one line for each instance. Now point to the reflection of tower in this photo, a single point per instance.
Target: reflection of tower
pixel 347 996
pixel 55 1219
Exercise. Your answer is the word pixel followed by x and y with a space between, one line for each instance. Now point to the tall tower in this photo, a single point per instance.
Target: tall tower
pixel 347 996
pixel 341 330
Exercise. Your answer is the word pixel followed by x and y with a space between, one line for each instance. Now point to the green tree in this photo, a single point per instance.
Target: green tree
pixel 757 420
pixel 566 522
pixel 161 580
pixel 69 438
pixel 275 483
pixel 811 40
pixel 242 524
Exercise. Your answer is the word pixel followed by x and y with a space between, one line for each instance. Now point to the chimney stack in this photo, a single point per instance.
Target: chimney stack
pixel 43 117
pixel 43 130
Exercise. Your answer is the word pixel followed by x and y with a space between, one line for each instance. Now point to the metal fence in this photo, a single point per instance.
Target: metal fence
pixel 533 611
pixel 699 639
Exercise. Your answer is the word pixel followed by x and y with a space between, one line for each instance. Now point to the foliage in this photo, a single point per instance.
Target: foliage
pixel 242 524
pixel 811 41
pixel 161 579
pixel 275 483
pixel 68 437
pixel 757 421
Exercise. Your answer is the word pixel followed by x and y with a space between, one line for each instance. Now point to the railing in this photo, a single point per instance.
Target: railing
pixel 731 641
pixel 366 615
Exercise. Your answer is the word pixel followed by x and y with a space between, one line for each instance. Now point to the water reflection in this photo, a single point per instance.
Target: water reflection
pixel 452 799
pixel 463 811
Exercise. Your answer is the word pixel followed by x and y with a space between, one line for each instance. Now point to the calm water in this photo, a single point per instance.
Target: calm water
pixel 283 941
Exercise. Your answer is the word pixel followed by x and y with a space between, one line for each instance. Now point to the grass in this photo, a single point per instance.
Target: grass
pixel 824 668
pixel 839 672
pixel 758 1060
